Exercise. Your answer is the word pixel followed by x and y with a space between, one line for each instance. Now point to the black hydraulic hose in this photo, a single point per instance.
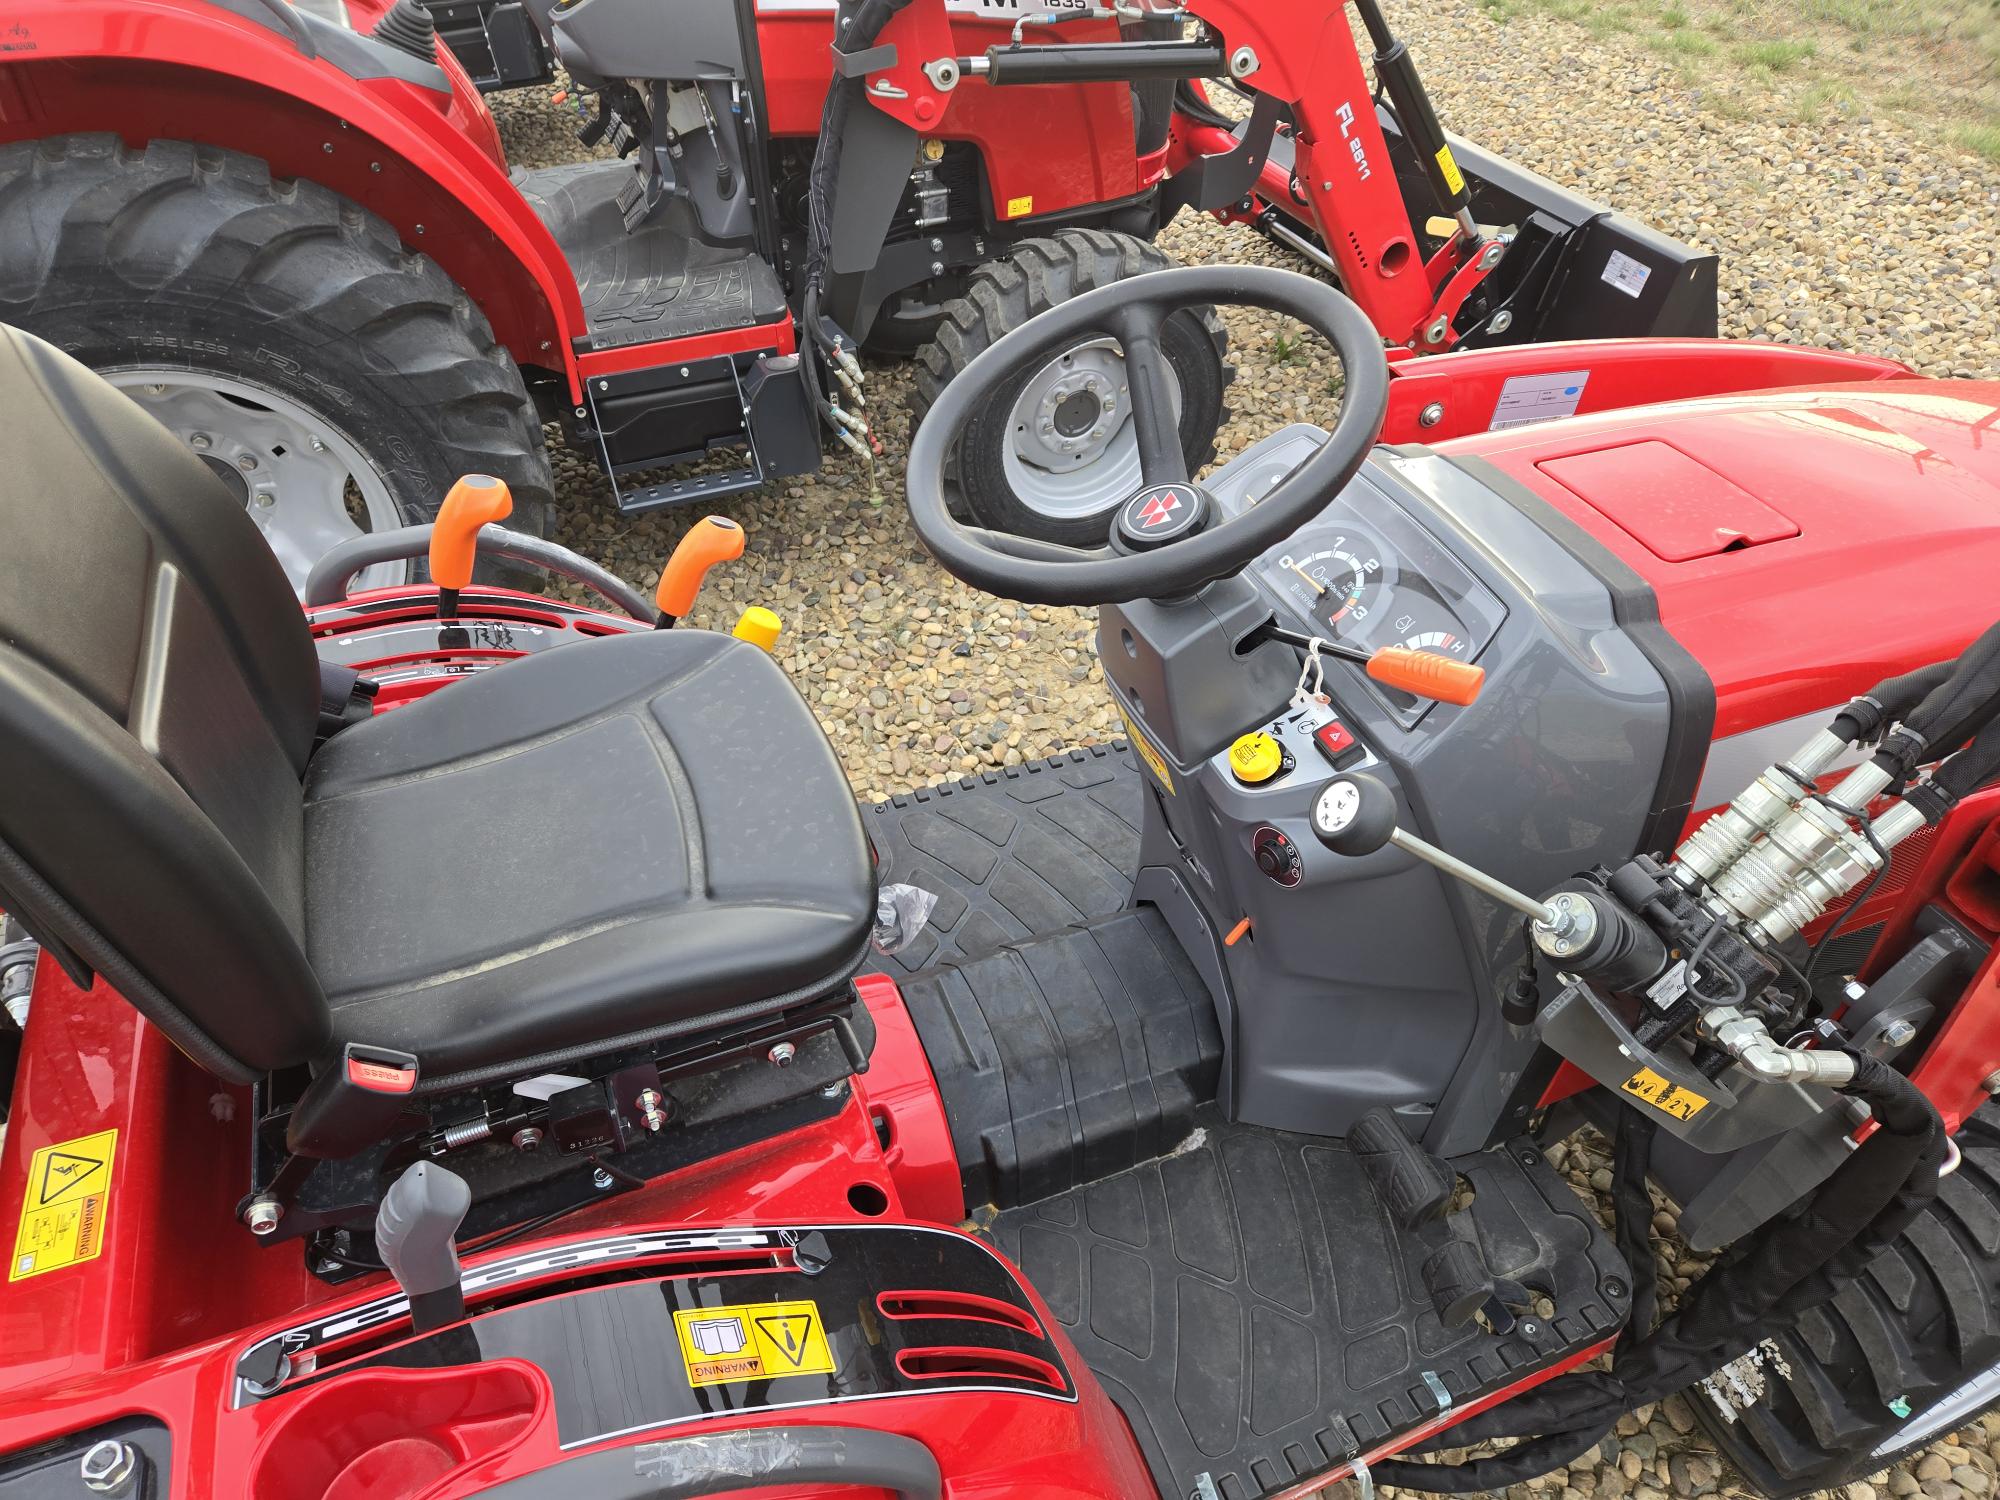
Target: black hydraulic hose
pixel 1865 719
pixel 1955 709
pixel 1959 777
pixel 1763 1286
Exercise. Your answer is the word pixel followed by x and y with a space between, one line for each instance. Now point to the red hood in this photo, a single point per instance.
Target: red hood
pixel 1855 528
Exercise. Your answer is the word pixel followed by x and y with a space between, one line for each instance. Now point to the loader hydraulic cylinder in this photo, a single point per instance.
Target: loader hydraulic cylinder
pixel 1398 77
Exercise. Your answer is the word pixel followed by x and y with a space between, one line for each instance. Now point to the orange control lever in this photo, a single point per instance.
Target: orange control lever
pixel 474 501
pixel 710 540
pixel 1426 674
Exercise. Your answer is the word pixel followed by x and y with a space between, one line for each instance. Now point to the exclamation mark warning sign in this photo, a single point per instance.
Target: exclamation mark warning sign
pixel 752 1341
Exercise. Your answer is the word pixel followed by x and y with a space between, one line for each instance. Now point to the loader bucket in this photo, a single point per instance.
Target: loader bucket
pixel 1576 270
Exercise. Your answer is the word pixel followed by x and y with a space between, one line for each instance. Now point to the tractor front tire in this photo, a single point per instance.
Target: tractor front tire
pixel 1901 1357
pixel 1007 472
pixel 282 330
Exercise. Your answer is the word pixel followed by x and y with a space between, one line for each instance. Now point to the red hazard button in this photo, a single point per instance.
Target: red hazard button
pixel 1337 744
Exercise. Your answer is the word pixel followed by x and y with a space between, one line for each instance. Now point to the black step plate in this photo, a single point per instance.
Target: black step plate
pixel 1253 1311
pixel 1012 854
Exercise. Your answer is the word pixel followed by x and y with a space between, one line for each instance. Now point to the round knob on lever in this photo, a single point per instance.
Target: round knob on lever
pixel 1354 815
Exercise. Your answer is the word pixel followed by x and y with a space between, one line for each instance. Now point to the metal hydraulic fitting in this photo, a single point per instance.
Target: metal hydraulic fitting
pixel 1745 1039
pixel 1720 842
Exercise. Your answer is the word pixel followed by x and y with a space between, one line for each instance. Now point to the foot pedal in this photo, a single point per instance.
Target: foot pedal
pixel 1413 1185
pixel 1417 1190
pixel 1459 1284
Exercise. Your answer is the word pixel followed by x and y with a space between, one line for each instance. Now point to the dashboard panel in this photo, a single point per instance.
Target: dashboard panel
pixel 1366 574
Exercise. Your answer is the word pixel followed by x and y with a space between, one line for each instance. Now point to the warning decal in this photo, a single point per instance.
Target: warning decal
pixel 752 1341
pixel 1669 1098
pixel 63 1208
pixel 1155 762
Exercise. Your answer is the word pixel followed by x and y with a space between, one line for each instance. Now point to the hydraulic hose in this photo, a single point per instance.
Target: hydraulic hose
pixel 1763 1286
pixel 1956 708
pixel 1865 719
pixel 1959 777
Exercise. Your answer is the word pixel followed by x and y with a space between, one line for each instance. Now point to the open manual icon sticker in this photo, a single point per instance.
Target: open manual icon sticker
pixel 752 1341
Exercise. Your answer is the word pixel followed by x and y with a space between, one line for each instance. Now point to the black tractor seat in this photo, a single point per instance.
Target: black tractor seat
pixel 557 860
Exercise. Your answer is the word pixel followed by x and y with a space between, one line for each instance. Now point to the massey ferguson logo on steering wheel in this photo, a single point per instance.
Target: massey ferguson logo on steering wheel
pixel 1156 510
pixel 1160 513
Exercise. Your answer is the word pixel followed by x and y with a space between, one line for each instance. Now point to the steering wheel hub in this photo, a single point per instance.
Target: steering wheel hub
pixel 1162 513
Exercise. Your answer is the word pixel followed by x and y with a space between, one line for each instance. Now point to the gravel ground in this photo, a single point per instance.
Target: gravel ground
pixel 1849 232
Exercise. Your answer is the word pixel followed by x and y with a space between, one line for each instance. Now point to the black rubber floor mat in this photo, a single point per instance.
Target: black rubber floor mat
pixel 658 282
pixel 1012 854
pixel 1067 1058
pixel 1258 1318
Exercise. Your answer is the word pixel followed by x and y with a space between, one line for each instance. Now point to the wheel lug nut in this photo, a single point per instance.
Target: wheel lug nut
pixel 319 445
pixel 265 500
pixel 247 462
pixel 199 440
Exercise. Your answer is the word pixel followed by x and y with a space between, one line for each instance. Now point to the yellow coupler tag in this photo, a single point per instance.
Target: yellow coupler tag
pixel 64 1207
pixel 1155 762
pixel 752 1341
pixel 1668 1098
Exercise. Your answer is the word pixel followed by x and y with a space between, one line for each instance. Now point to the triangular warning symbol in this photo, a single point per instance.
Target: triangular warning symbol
pixel 64 1172
pixel 788 1334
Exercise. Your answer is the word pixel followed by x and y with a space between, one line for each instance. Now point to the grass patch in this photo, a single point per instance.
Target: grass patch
pixel 1982 140
pixel 1287 350
pixel 1819 100
pixel 1684 41
pixel 1774 54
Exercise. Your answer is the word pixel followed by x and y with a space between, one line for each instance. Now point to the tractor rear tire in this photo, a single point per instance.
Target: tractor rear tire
pixel 1919 1333
pixel 277 300
pixel 992 482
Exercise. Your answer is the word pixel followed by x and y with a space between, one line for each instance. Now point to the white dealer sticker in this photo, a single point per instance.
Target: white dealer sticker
pixel 1627 274
pixel 1538 398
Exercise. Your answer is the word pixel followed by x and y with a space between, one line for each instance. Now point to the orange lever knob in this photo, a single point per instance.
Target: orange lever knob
pixel 710 540
pixel 474 501
pixel 1427 674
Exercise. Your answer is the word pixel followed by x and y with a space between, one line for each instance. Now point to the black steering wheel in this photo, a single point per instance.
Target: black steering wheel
pixel 1161 544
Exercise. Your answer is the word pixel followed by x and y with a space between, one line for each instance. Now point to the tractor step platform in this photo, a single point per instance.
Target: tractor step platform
pixel 660 281
pixel 1012 854
pixel 1260 1318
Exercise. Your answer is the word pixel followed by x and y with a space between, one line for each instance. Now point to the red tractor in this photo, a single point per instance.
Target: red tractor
pixel 471 1044
pixel 288 230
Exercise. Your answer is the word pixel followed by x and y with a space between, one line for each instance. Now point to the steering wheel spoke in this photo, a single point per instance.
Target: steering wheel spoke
pixel 1138 328
pixel 1034 549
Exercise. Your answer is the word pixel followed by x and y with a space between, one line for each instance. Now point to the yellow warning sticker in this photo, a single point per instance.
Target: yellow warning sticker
pixel 1155 762
pixel 1448 164
pixel 1668 1098
pixel 64 1207
pixel 752 1341
pixel 1018 206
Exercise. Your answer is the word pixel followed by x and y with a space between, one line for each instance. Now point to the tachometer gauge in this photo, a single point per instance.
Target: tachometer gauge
pixel 1335 584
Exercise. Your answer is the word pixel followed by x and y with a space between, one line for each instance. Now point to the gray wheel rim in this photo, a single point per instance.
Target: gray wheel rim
pixel 291 468
pixel 1059 466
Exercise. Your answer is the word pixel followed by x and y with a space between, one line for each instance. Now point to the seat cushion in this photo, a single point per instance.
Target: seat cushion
pixel 622 840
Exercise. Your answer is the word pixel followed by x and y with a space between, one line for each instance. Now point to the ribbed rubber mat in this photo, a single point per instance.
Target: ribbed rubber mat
pixel 1012 854
pixel 1067 1058
pixel 1258 1317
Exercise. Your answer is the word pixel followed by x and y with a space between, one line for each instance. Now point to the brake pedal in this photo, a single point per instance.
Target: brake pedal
pixel 1413 1185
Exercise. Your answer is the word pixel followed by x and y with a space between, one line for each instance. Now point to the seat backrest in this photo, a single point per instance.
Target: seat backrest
pixel 159 695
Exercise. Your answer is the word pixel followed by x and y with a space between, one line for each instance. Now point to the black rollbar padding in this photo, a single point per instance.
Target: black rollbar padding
pixel 1102 62
pixel 1866 719
pixel 749 1458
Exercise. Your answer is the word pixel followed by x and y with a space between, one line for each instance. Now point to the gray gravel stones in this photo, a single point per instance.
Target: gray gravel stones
pixel 1850 231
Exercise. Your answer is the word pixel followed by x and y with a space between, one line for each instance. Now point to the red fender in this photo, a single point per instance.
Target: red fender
pixel 427 162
